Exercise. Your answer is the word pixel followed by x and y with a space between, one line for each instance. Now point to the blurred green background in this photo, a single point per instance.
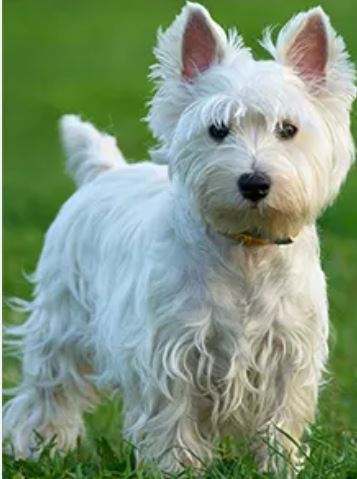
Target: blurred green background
pixel 92 57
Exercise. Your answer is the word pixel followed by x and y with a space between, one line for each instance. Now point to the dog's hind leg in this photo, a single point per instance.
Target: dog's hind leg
pixel 54 391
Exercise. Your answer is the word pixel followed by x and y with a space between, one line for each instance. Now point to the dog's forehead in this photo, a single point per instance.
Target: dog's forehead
pixel 259 77
pixel 263 86
pixel 267 84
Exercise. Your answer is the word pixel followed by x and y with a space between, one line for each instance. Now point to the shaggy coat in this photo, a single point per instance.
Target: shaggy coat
pixel 142 284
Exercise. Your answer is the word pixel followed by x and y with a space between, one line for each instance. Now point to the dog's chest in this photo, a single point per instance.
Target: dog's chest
pixel 252 320
pixel 257 320
pixel 254 296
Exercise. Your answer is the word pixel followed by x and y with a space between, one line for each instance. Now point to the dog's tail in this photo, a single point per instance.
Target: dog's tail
pixel 89 152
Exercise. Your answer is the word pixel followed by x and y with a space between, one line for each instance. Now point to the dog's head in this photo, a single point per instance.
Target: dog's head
pixel 258 146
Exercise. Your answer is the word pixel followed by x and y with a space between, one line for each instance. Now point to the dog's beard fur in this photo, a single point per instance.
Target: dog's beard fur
pixel 283 213
pixel 203 337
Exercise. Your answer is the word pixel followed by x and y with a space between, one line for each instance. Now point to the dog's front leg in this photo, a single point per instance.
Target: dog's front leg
pixel 167 432
pixel 279 448
pixel 297 416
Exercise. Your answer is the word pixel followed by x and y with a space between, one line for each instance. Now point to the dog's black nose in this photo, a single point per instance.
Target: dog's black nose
pixel 254 186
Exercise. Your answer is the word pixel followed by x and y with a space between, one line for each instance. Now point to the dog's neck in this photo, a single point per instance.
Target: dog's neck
pixel 198 230
pixel 210 248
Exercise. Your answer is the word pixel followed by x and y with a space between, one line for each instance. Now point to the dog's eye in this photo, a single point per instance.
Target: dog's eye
pixel 218 132
pixel 285 130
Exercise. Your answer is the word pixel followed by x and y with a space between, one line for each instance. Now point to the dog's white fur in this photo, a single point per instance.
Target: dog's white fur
pixel 136 287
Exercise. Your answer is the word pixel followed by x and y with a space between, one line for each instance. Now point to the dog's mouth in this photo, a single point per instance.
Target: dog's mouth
pixel 256 239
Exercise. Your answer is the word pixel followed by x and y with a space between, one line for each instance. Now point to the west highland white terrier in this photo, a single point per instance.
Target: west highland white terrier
pixel 192 284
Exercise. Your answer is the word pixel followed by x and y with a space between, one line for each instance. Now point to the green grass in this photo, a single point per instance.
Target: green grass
pixel 103 460
pixel 92 58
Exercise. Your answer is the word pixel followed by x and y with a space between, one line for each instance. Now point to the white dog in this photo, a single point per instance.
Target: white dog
pixel 194 287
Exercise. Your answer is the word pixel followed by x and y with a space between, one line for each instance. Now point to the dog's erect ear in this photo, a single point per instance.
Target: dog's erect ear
pixel 310 46
pixel 201 44
pixel 190 45
pixel 303 45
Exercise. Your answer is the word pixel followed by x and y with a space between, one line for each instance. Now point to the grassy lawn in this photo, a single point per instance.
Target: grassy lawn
pixel 92 58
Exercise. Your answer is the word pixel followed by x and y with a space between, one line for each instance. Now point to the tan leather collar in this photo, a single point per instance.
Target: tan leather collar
pixel 250 240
